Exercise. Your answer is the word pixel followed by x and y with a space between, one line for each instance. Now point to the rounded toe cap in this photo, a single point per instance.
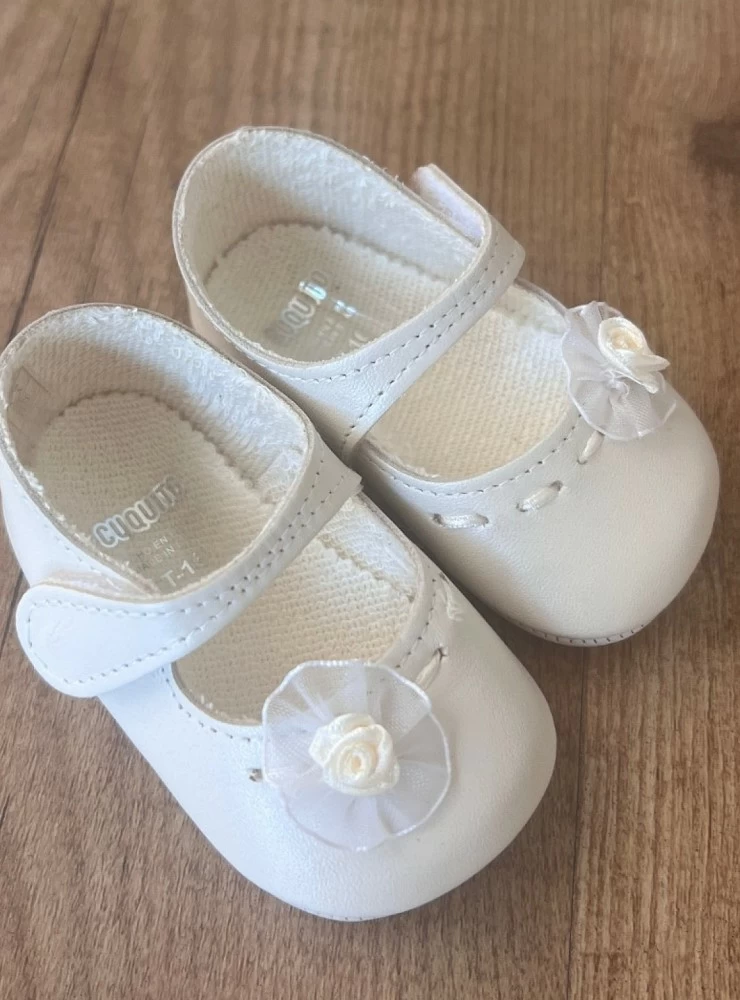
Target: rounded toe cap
pixel 502 742
pixel 633 530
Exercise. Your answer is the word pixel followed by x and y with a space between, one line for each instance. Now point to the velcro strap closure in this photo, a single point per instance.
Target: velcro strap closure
pixel 85 640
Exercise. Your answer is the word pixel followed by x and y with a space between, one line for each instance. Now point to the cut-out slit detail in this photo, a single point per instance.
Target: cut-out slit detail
pixel 541 497
pixel 460 520
pixel 429 672
pixel 591 446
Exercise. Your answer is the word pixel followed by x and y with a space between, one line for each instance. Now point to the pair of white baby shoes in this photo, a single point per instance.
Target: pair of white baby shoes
pixel 328 708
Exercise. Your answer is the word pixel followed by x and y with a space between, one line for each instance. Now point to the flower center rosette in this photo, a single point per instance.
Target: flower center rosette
pixel 614 379
pixel 356 755
pixel 355 752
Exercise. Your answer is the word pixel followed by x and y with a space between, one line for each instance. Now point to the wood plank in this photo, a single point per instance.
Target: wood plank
pixel 45 57
pixel 658 869
pixel 114 893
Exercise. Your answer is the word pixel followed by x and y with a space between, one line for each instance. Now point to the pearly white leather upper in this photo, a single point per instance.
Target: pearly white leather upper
pixel 502 745
pixel 94 626
pixel 581 540
pixel 624 534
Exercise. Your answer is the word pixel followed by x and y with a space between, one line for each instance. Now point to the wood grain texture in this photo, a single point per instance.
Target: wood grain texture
pixel 606 135
pixel 46 52
pixel 657 909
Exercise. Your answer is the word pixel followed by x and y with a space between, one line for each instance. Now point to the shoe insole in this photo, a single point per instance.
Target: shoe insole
pixel 311 294
pixel 153 494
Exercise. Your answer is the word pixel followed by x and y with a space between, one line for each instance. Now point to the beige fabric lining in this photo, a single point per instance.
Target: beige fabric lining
pixel 108 453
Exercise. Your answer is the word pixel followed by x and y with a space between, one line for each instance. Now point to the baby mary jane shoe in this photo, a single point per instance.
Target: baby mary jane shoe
pixel 335 717
pixel 537 451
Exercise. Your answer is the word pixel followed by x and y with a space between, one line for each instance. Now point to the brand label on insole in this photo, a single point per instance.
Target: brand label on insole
pixel 140 517
pixel 316 308
pixel 158 555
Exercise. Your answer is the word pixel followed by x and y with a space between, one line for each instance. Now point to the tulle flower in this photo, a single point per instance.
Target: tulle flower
pixel 614 379
pixel 355 752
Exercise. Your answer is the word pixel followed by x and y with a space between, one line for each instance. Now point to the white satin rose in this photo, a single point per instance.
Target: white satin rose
pixel 355 752
pixel 614 379
pixel 624 346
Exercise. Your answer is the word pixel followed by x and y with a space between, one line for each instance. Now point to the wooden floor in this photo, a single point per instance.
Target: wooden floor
pixel 606 136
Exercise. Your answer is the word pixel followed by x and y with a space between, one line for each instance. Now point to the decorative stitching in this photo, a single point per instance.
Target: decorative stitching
pixel 425 629
pixel 568 641
pixel 247 578
pixel 486 489
pixel 416 336
pixel 438 336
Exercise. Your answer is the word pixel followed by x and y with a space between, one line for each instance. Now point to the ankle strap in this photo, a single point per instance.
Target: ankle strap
pixel 347 395
pixel 85 638
pixel 402 356
pixel 361 389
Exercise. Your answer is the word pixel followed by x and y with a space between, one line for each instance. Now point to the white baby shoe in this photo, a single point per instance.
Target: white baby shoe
pixel 336 718
pixel 538 452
